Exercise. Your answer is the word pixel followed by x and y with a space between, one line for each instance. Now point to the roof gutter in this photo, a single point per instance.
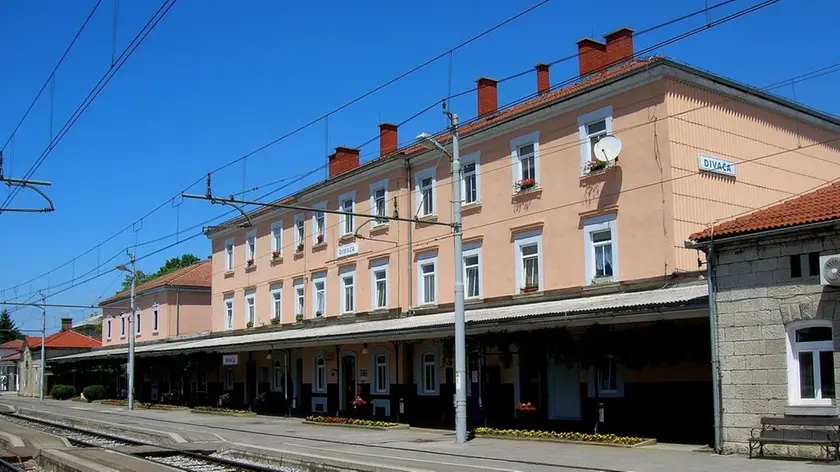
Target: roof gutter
pixel 689 244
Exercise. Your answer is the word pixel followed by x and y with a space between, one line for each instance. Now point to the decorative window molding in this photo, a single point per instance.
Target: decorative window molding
pixel 251 307
pixel 108 329
pixel 523 245
pixel 300 297
pixel 155 318
pixel 229 254
pixel 379 284
pixel 425 191
pixel 277 239
pixel 228 311
pixel 810 363
pixel 379 201
pixel 250 248
pixel 347 203
pixel 381 368
pixel 319 294
pixel 277 301
pixel 473 273
pixel 526 161
pixel 277 375
pixel 592 127
pixel 428 371
pixel 319 223
pixel 300 231
pixel 600 241
pixel 427 279
pixel 319 373
pixel 230 377
pixel 609 378
pixel 347 277
pixel 471 178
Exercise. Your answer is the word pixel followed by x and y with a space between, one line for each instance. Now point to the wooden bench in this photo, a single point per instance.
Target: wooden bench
pixel 770 433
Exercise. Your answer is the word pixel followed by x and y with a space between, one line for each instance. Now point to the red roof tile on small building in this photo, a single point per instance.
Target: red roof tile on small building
pixel 11 357
pixel 16 344
pixel 196 275
pixel 818 206
pixel 68 339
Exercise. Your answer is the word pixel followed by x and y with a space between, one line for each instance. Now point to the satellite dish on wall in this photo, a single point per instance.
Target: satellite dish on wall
pixel 607 149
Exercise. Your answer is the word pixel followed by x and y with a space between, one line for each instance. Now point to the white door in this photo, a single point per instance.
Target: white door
pixel 563 391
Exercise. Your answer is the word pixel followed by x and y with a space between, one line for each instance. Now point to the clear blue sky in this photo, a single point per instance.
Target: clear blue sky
pixel 217 79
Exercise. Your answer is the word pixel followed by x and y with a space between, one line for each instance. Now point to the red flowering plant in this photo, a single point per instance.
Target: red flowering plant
pixel 275 254
pixel 525 184
pixel 596 165
pixel 250 262
pixel 359 402
pixel 526 407
pixel 320 238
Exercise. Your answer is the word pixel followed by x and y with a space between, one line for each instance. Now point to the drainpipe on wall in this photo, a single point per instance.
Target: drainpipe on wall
pixel 409 212
pixel 710 259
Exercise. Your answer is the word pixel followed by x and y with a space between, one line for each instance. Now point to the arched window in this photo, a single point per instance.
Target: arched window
pixel 811 363
pixel 319 374
pixel 381 381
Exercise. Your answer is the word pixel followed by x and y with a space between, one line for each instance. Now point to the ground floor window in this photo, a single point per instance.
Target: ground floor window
pixel 319 374
pixel 277 377
pixel 811 363
pixel 229 377
pixel 428 367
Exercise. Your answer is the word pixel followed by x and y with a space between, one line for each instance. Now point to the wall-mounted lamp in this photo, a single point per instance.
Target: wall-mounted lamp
pixel 364 349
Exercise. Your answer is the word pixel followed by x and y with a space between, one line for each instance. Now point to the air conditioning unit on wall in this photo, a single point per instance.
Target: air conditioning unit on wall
pixel 830 270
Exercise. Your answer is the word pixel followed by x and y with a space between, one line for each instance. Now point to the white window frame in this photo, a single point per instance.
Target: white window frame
pixel 229 311
pixel 595 375
pixel 137 325
pixel 277 238
pixel 299 222
pixel 108 329
pixel 793 350
pixel 155 318
pixel 378 266
pixel 319 374
pixel 596 225
pixel 421 371
pixel 275 290
pixel 277 381
pixel 423 260
pixel 122 326
pixel 315 215
pixel 319 278
pixel 251 303
pixel 230 254
pixel 471 158
pixel 342 219
pixel 251 246
pixel 374 187
pixel 344 273
pixel 300 297
pixel 230 378
pixel 600 114
pixel 374 386
pixel 419 176
pixel 526 239
pixel 515 144
pixel 469 250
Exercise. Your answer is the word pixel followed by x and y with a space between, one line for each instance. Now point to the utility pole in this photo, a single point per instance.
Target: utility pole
pixel 457 237
pixel 131 328
pixel 43 346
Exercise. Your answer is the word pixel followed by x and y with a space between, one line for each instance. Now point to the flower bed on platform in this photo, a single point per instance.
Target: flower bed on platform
pixel 342 421
pixel 142 406
pixel 604 439
pixel 210 410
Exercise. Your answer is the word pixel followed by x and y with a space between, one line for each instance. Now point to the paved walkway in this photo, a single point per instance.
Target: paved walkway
pixel 415 449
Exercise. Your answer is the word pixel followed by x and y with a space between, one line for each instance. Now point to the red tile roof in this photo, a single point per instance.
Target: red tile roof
pixel 11 357
pixel 196 275
pixel 68 339
pixel 16 344
pixel 814 207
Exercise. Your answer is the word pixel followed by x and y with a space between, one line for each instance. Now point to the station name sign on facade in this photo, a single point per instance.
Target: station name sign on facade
pixel 347 250
pixel 716 165
pixel 230 359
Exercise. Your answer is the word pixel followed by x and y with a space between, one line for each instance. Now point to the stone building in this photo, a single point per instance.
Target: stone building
pixel 777 318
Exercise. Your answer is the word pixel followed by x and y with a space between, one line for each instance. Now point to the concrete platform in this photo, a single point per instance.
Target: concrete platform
pixel 413 449
pixel 23 442
pixel 96 460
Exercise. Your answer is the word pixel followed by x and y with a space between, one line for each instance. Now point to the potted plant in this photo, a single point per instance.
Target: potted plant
pixel 299 317
pixel 250 262
pixel 275 320
pixel 596 165
pixel 318 313
pixel 528 414
pixel 530 288
pixel 275 254
pixel 320 238
pixel 526 184
pixel 300 247
pixel 249 324
pixel 361 408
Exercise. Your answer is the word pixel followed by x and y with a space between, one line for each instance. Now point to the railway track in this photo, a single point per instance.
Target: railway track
pixel 9 467
pixel 182 460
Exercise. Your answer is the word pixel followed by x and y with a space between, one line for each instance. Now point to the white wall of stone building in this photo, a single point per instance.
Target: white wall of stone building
pixel 756 300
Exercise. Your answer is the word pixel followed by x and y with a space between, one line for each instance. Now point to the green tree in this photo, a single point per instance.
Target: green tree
pixel 169 266
pixel 8 330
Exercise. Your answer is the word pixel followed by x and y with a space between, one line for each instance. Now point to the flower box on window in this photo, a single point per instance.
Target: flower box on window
pixel 530 288
pixel 300 247
pixel 275 254
pixel 299 317
pixel 596 165
pixel 526 184
pixel 249 324
pixel 275 320
pixel 320 238
pixel 318 313
pixel 249 263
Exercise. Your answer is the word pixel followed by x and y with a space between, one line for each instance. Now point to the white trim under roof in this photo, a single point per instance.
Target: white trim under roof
pixel 571 311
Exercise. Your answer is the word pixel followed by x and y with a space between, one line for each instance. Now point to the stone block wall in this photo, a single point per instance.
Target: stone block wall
pixel 756 299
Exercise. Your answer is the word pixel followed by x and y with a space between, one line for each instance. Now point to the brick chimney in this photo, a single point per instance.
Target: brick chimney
pixel 388 141
pixel 619 45
pixel 543 84
pixel 488 96
pixel 342 160
pixel 592 55
pixel 66 323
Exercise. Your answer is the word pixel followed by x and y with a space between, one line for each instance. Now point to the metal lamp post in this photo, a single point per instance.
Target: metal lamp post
pixel 131 333
pixel 460 325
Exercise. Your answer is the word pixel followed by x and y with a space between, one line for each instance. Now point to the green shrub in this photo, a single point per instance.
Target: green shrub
pixel 93 392
pixel 62 392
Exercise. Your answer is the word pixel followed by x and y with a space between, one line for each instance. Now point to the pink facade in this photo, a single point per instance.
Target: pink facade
pixel 178 312
pixel 642 208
